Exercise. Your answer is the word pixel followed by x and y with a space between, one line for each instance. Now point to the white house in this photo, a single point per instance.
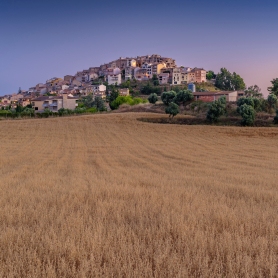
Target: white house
pixel 99 88
pixel 91 76
pixel 114 79
pixel 176 76
pixel 131 63
pixel 64 87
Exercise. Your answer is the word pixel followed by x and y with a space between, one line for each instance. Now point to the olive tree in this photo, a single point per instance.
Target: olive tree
pixel 172 109
pixel 168 97
pixel 216 109
pixel 153 98
pixel 183 97
pixel 247 113
pixel 272 101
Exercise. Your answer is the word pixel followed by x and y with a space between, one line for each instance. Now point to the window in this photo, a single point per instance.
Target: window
pixel 36 108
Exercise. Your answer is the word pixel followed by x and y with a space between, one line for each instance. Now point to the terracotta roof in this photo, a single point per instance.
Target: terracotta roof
pixel 195 69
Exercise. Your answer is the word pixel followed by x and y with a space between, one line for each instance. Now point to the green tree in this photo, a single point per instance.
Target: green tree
pixel 274 88
pixel 19 109
pixel 87 101
pixel 155 80
pixel 272 101
pixel 253 91
pixel 245 100
pixel 172 109
pixel 222 101
pixel 183 97
pixel 168 97
pixel 237 82
pixel 247 113
pixel 216 109
pixel 149 89
pixel 112 97
pixel 99 104
pixel 211 75
pixel 229 81
pixel 257 103
pixel 62 111
pixel 153 98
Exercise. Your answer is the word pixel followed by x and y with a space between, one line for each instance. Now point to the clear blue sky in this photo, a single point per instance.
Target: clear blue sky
pixel 47 38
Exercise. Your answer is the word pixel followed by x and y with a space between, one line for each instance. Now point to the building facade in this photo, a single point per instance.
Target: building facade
pixel 54 103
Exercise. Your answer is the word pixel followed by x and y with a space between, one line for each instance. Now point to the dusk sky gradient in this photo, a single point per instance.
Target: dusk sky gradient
pixel 42 39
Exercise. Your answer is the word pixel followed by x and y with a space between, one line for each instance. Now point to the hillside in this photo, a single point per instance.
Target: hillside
pixel 110 196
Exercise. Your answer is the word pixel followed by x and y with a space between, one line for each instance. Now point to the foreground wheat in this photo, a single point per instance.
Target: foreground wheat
pixel 109 196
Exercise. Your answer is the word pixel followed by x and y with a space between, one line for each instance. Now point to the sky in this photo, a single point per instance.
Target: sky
pixel 42 39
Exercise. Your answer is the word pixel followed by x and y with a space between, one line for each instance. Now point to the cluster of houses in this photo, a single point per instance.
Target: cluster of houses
pixel 58 93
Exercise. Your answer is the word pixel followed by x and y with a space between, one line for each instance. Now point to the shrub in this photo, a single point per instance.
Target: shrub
pixel 28 112
pixel 245 100
pixel 272 101
pixel 183 97
pixel 216 109
pixel 168 97
pixel 258 104
pixel 247 113
pixel 125 100
pixel 149 89
pixel 99 104
pixel 80 110
pixel 172 109
pixel 5 113
pixel 61 111
pixel 92 110
pixel 153 98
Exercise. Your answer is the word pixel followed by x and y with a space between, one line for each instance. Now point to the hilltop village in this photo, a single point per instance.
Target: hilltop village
pixel 95 81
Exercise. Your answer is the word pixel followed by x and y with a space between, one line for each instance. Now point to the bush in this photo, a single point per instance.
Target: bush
pixel 149 89
pixel 125 100
pixel 272 101
pixel 28 112
pixel 63 111
pixel 168 97
pixel 99 104
pixel 183 97
pixel 92 110
pixel 80 110
pixel 247 113
pixel 259 104
pixel 5 113
pixel 153 98
pixel 245 100
pixel 216 109
pixel 172 109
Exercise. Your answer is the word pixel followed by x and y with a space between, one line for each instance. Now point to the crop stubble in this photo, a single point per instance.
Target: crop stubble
pixel 110 196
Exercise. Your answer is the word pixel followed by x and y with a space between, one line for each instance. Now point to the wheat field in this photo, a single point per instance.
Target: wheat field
pixel 110 196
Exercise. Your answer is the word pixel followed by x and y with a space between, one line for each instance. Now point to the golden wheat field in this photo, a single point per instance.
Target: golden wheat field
pixel 110 196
